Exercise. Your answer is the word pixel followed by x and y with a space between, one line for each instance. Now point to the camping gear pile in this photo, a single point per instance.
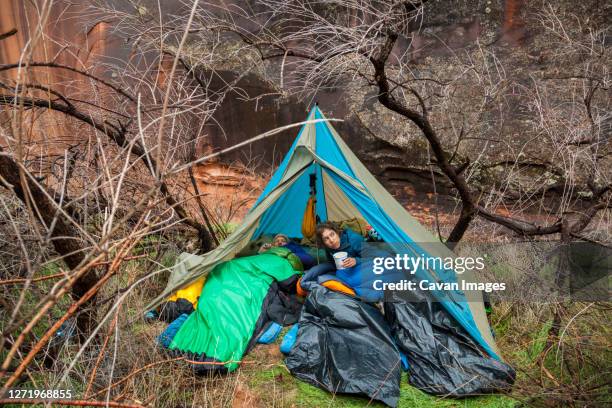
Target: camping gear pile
pixel 341 342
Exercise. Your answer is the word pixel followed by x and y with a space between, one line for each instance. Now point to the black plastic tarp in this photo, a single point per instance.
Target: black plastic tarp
pixel 443 359
pixel 345 346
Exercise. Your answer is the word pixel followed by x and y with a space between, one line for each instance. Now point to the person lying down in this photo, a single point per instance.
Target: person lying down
pixel 282 240
pixel 351 271
pixel 352 275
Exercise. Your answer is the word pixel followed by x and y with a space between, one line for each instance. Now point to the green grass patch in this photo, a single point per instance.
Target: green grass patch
pixel 539 341
pixel 270 380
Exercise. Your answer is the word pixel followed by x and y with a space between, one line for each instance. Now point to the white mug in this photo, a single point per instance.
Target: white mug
pixel 338 258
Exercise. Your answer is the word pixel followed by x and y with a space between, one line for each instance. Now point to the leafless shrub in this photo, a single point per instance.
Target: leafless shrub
pixel 89 153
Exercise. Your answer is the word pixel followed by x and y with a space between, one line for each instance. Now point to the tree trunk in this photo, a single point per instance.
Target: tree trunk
pixel 66 239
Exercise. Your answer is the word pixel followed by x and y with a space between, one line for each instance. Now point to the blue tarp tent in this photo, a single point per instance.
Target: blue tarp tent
pixel 345 189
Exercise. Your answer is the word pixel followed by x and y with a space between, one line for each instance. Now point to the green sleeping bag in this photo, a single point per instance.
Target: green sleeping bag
pixel 229 307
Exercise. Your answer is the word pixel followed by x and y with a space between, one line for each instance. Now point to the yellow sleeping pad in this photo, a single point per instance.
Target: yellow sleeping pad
pixel 191 292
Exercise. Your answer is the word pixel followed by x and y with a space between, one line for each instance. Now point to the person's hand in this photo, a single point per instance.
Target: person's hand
pixel 264 247
pixel 349 262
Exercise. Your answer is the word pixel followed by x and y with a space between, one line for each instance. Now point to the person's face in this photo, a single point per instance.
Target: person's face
pixel 330 238
pixel 280 241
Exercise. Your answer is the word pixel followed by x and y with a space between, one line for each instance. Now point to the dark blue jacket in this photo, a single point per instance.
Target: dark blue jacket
pixel 351 243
